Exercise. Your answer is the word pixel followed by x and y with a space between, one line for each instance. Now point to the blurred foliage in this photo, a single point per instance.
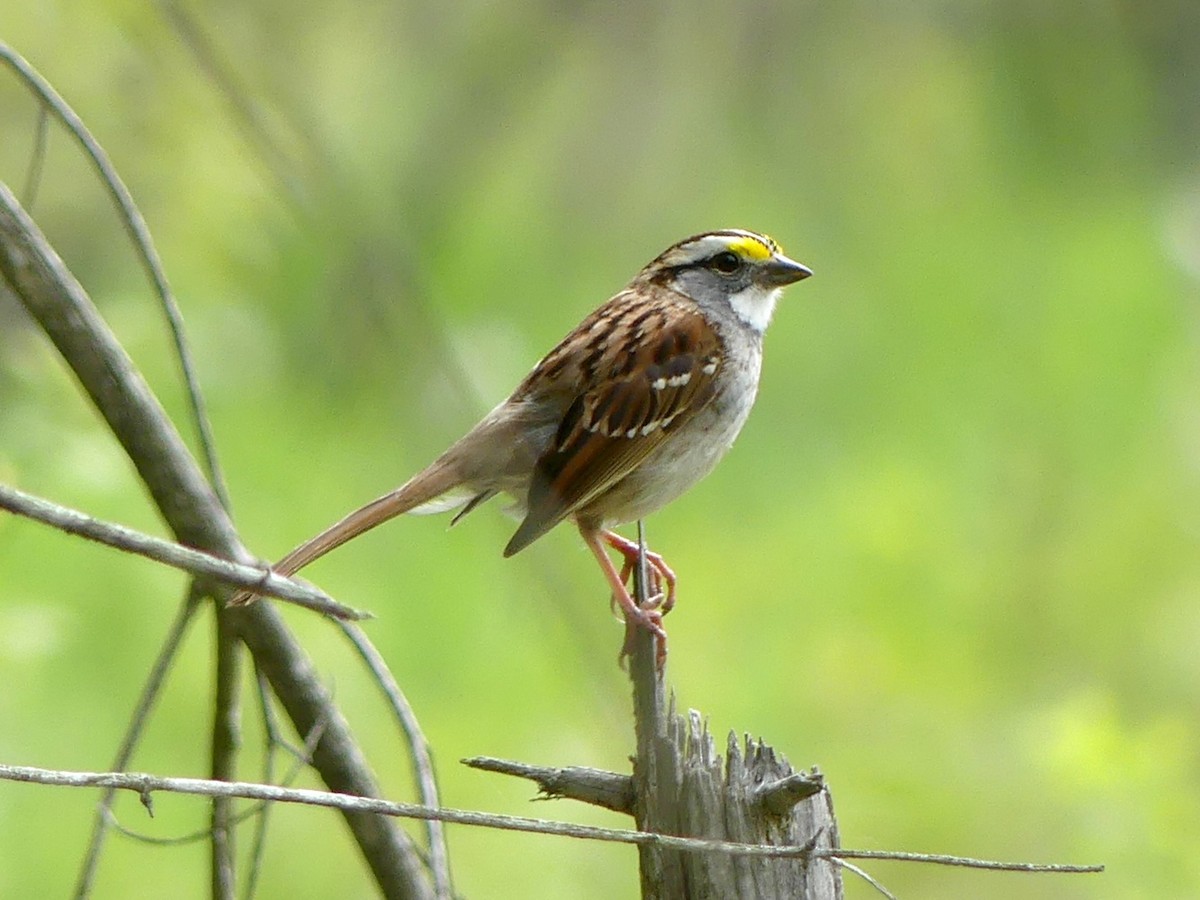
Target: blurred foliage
pixel 952 560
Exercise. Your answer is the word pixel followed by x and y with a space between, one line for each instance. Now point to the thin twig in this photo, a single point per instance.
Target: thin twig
pixel 865 876
pixel 226 739
pixel 205 565
pixel 259 809
pixel 133 733
pixel 245 114
pixel 422 759
pixel 272 738
pixel 185 498
pixel 179 840
pixel 303 759
pixel 144 785
pixel 139 234
pixel 610 790
pixel 392 855
pixel 37 158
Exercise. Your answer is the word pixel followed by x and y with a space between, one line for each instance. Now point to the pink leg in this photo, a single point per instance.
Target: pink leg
pixel 635 616
pixel 659 571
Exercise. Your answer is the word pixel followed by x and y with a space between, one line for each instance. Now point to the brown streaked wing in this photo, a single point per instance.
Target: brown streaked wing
pixel 655 374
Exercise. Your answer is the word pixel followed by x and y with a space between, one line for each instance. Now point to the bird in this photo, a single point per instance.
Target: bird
pixel 631 409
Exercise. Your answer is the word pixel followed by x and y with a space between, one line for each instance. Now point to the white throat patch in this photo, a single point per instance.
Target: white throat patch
pixel 755 305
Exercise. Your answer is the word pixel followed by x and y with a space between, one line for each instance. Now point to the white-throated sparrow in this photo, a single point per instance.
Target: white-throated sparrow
pixel 631 409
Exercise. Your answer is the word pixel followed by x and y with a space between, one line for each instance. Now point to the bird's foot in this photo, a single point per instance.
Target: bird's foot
pixel 658 571
pixel 647 617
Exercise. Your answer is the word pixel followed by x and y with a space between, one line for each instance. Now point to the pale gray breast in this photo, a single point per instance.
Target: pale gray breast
pixel 695 449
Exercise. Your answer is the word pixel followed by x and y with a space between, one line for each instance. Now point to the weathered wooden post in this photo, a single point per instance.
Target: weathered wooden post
pixel 681 786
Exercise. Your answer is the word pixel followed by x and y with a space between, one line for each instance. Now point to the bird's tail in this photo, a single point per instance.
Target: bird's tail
pixel 433 490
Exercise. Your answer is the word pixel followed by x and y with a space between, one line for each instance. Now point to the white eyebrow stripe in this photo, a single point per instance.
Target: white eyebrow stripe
pixel 710 245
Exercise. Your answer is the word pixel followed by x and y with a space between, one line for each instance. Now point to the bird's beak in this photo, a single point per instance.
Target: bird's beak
pixel 779 270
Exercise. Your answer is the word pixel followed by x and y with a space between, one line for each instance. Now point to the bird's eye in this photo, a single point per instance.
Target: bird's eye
pixel 726 263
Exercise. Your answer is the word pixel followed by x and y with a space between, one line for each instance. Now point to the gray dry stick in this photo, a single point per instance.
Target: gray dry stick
pixel 56 300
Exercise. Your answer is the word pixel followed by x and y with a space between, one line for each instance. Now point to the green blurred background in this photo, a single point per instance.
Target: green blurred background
pixel 952 559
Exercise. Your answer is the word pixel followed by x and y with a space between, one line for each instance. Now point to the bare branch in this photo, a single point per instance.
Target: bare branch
pixel 37 157
pixel 595 786
pixel 226 740
pixel 183 496
pixel 272 740
pixel 205 565
pixel 422 759
pixel 139 233
pixel 144 785
pixel 261 809
pixel 137 723
pixel 865 876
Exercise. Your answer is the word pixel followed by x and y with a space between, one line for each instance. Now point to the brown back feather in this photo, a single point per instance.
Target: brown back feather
pixel 636 392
